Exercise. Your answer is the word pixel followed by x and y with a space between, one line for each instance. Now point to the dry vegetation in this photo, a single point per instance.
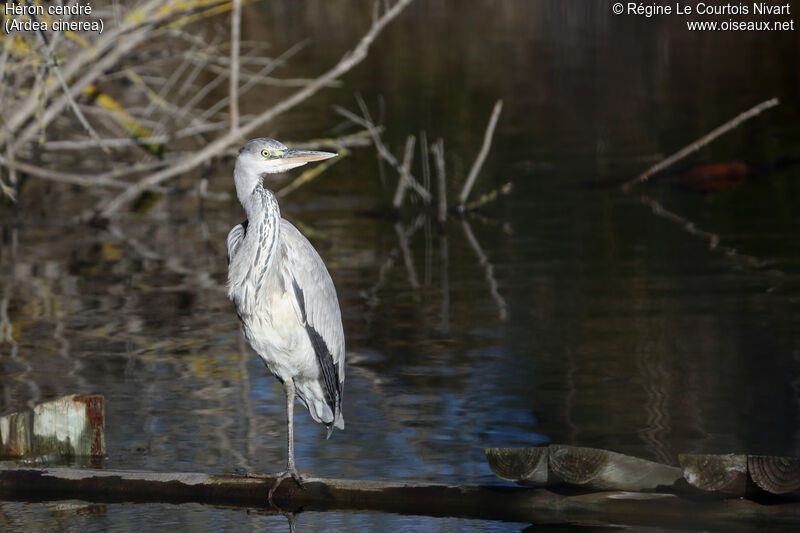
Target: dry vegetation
pixel 93 110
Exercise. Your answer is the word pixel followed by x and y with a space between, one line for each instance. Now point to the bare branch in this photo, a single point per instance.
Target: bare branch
pixel 233 92
pixel 53 65
pixel 109 40
pixel 403 182
pixel 310 174
pixel 486 198
pixel 487 144
pixel 347 62
pixel 680 154
pixel 57 107
pixel 66 177
pixel 438 156
pixel 383 151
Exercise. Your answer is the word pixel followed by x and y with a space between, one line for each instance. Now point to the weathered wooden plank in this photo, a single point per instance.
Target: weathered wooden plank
pixel 524 466
pixel 606 470
pixel 723 474
pixel 69 426
pixel 776 475
pixel 518 504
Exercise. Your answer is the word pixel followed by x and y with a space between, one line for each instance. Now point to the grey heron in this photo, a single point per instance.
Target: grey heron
pixel 284 295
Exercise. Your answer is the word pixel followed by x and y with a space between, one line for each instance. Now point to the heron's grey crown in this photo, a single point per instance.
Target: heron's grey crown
pixel 254 146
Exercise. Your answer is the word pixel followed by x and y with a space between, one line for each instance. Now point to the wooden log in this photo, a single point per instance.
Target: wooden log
pixel 517 504
pixel 524 466
pixel 722 474
pixel 606 470
pixel 70 426
pixel 776 475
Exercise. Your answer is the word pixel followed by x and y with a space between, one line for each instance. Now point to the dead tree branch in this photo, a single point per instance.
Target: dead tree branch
pixel 680 154
pixel 216 147
pixel 481 157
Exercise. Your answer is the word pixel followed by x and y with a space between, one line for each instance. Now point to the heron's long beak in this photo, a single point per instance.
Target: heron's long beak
pixel 305 156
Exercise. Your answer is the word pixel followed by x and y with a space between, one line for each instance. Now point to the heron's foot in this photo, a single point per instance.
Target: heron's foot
pixel 291 473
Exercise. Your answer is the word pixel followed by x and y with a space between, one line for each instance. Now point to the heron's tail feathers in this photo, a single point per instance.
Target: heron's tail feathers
pixel 338 424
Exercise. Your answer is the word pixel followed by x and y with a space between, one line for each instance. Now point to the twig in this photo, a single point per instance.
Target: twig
pixel 310 174
pixel 233 92
pixel 65 177
pixel 487 198
pixel 7 190
pixel 403 182
pixel 139 18
pixel 53 65
pixel 359 138
pixel 122 142
pixel 677 156
pixel 425 156
pixel 167 86
pixel 98 68
pixel 438 156
pixel 347 62
pixel 253 81
pixel 481 157
pixel 383 151
pixel 106 179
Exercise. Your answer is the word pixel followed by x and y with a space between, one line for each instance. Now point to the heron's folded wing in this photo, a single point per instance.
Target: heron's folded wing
pixel 235 238
pixel 318 304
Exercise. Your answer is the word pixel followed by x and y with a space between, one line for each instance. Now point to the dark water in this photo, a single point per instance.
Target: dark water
pixel 652 323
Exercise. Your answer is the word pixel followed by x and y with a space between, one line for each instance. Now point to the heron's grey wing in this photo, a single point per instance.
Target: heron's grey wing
pixel 318 307
pixel 235 237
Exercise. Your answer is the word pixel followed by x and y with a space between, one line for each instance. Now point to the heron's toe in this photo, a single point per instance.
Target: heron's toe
pixel 284 475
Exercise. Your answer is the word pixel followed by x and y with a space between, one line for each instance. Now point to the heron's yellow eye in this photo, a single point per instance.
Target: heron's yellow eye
pixel 266 153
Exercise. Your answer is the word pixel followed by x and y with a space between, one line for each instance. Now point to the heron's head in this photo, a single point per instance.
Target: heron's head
pixel 268 156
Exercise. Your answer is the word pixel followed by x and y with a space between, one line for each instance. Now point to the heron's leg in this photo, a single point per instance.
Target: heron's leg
pixel 291 471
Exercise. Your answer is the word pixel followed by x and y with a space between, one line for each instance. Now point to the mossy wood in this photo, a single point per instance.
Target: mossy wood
pixel 725 475
pixel 590 468
pixel 70 426
pixel 518 504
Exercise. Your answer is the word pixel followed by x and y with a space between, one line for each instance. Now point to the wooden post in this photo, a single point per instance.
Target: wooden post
pixel 69 426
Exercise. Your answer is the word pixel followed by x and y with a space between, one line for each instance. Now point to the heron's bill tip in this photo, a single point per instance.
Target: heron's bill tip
pixel 307 155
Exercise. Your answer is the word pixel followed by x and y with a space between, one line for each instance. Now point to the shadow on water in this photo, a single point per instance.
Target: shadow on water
pixel 569 314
